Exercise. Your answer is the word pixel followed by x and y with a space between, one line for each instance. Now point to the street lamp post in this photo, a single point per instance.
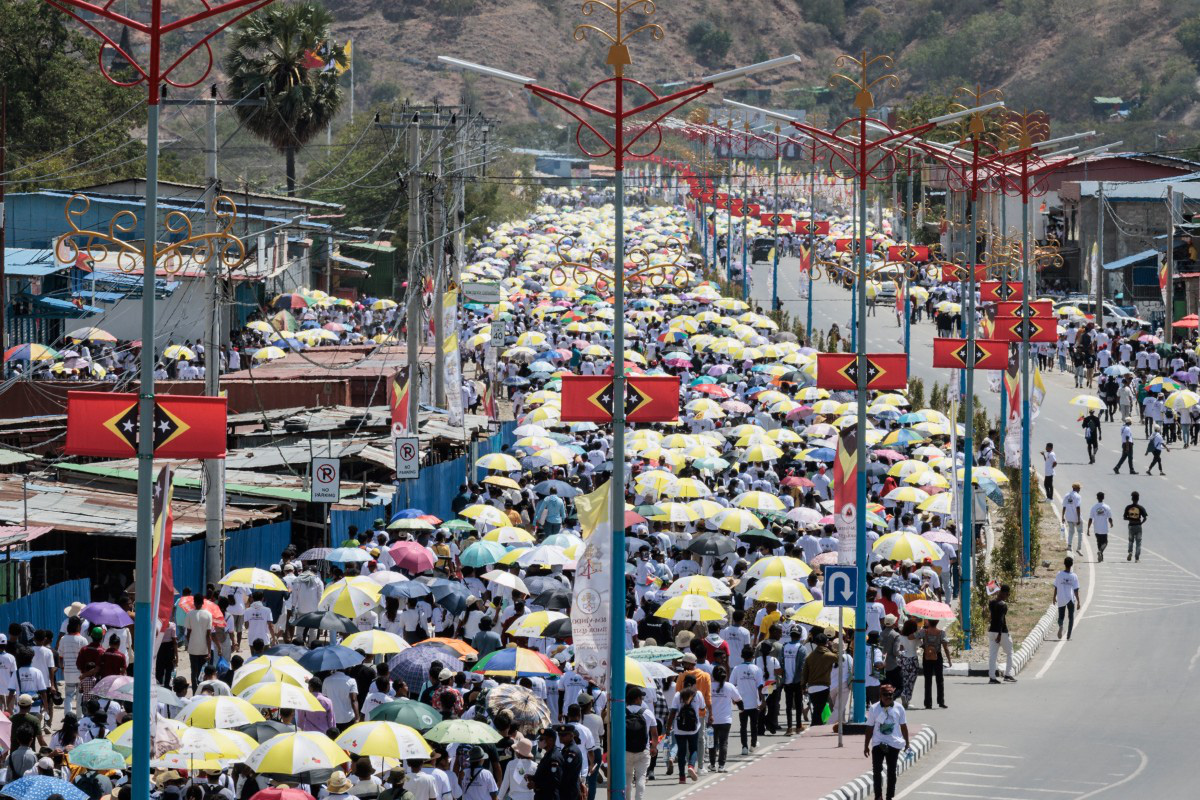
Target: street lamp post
pixel 863 158
pixel 619 143
pixel 156 71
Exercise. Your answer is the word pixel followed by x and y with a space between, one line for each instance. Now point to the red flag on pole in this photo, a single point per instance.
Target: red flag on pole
pixel 398 397
pixel 845 487
pixel 163 577
pixel 106 424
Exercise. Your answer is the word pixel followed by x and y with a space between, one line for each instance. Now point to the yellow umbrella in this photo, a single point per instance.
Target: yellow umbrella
pixel 501 462
pixel 350 597
pixel 738 520
pixel 778 567
pixel 508 534
pixel 691 607
pixel 904 545
pixel 938 504
pixel 268 354
pixel 675 512
pixel 296 752
pixel 219 712
pixel 762 452
pixel 698 584
pixel 253 578
pixel 384 739
pixel 906 494
pixel 280 695
pixel 376 642
pixel 688 487
pixel 816 614
pixel 780 590
pixel 269 668
pixel 758 501
pixel 1087 401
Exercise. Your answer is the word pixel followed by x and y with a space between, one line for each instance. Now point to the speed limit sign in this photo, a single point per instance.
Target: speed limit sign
pixel 408 457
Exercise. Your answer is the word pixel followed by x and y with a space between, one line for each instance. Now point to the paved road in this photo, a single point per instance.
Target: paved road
pixel 1107 712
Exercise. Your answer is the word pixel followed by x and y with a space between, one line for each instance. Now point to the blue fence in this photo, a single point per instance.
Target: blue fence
pixel 187 565
pixel 45 608
pixel 362 518
pixel 257 547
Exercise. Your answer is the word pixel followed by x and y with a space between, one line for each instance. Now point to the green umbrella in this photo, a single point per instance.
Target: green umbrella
pixel 406 712
pixel 482 554
pixel 655 653
pixel 462 731
pixel 459 525
pixel 650 511
pixel 713 463
pixel 97 754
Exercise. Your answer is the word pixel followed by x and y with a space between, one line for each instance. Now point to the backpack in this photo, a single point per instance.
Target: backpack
pixel 687 719
pixel 637 733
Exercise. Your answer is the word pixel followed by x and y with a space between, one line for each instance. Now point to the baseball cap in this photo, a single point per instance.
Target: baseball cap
pixel 24 700
pixel 689 658
pixel 3 638
pixel 45 763
pixel 445 675
pixel 276 568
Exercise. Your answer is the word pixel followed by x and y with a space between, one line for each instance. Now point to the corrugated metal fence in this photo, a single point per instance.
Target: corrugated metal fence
pixel 187 565
pixel 45 608
pixel 252 547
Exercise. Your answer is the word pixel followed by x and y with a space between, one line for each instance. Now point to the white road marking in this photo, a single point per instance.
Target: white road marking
pixel 1195 660
pixel 1011 788
pixel 1087 598
pixel 940 765
pixel 1140 769
pixel 985 764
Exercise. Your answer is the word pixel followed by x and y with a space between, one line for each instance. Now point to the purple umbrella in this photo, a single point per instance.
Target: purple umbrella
pixel 719 369
pixel 109 614
pixel 1183 375
pixel 412 666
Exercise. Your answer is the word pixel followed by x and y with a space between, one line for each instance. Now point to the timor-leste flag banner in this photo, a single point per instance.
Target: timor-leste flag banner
pixel 591 592
pixel 908 252
pixel 845 493
pixel 809 227
pixel 805 258
pixel 999 291
pixel 398 400
pixel 1012 329
pixel 163 577
pixel 961 273
pixel 107 423
pixel 648 398
pixel 952 353
pixel 1038 309
pixel 839 371
pixel 771 220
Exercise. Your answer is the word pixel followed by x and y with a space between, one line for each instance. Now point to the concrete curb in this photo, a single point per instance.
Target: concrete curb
pixel 1024 653
pixel 862 787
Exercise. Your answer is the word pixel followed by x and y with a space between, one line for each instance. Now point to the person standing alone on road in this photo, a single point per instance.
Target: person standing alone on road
pixel 1066 595
pixel 1126 447
pixel 1155 448
pixel 1091 435
pixel 1101 518
pixel 882 743
pixel 1072 509
pixel 998 636
pixel 1136 516
pixel 1051 463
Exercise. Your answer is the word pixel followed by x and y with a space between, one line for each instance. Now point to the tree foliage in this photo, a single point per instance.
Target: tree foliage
pixel 1188 36
pixel 268 52
pixel 59 105
pixel 709 43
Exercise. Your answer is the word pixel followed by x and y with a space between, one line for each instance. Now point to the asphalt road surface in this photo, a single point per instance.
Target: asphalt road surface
pixel 1113 711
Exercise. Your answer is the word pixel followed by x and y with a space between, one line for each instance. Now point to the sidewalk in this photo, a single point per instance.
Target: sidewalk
pixel 807 767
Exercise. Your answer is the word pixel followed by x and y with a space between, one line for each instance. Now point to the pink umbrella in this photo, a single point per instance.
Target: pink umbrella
pixel 411 556
pixel 798 413
pixel 336 327
pixel 5 731
pixel 719 369
pixel 677 362
pixel 108 687
pixel 824 559
pixel 890 455
pixel 736 407
pixel 929 609
pixel 939 536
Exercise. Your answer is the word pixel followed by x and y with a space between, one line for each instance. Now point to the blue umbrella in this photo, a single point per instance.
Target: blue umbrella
pixel 564 489
pixel 328 658
pixel 820 454
pixel 292 651
pixel 309 324
pixel 516 380
pixel 39 787
pixel 407 513
pixel 450 595
pixel 412 666
pixel 408 590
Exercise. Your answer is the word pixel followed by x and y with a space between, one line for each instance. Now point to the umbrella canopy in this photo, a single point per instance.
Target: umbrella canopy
pixel 280 695
pixel 253 578
pixel 534 623
pixel 929 609
pixel 329 621
pixel 515 662
pixel 296 753
pixel 691 608
pixel 40 787
pixel 406 712
pixel 109 614
pixel 815 613
pixel 482 554
pixel 780 590
pixel 901 545
pixel 376 642
pixel 98 754
pixel 384 739
pixel 655 653
pixel 412 666
pixel 330 657
pixel 262 731
pixel 412 556
pixel 219 712
pixel 698 584
pixel 779 567
pixel 528 711
pixel 462 731
pixel 267 669
pixel 350 597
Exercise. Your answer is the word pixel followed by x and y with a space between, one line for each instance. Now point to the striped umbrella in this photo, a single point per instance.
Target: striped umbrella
pixel 779 567
pixel 902 545
pixel 350 597
pixel 698 584
pixel 691 607
pixel 254 578
pixel 219 712
pixel 780 590
pixel 280 695
pixel 269 668
pixel 385 740
pixel 376 642
pixel 295 753
pixel 515 662
pixel 533 624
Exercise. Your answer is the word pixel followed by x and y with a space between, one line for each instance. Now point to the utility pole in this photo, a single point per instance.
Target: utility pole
pixel 413 343
pixel 1175 203
pixel 3 180
pixel 214 468
pixel 1100 212
pixel 437 254
pixel 460 192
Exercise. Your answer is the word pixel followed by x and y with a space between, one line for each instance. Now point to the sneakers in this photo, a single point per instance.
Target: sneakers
pixel 721 768
pixel 993 680
pixel 1129 556
pixel 745 751
pixel 789 732
pixel 1060 631
pixel 1009 679
pixel 691 771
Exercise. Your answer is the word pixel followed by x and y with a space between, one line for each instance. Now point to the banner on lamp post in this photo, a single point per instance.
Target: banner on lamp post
pixel 592 591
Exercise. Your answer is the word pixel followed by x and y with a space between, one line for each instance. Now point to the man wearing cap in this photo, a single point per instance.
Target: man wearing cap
pixel 640 719
pixel 548 777
pixel 886 739
pixel 477 781
pixel 1126 446
pixel 69 646
pixel 892 649
pixel 575 765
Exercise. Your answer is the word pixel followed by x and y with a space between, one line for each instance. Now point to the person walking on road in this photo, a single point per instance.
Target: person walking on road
pixel 998 636
pixel 1072 520
pixel 933 643
pixel 1101 518
pixel 886 739
pixel 1051 462
pixel 1126 447
pixel 1136 516
pixel 1155 448
pixel 1066 595
pixel 1091 435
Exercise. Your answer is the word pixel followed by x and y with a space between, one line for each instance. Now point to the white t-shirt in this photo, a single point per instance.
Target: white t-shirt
pixel 875 612
pixel 1051 463
pixel 478 783
pixel 199 623
pixel 338 687
pixel 1101 518
pixel 1065 586
pixel 737 638
pixel 1072 505
pixel 723 698
pixel 257 619
pixel 748 678
pixel 885 724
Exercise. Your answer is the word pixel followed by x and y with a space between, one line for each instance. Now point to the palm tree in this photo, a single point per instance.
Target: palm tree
pixel 273 49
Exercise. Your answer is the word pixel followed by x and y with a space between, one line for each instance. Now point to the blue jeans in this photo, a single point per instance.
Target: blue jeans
pixel 688 745
pixel 551 528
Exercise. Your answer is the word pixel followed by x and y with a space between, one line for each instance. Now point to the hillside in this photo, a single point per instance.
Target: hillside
pixel 1050 54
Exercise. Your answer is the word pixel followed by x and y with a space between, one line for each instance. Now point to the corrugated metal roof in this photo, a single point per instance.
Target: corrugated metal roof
pixel 83 509
pixel 237 482
pixel 9 457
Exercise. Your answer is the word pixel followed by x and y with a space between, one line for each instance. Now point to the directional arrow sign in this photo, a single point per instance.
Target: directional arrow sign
pixel 952 353
pixel 841 586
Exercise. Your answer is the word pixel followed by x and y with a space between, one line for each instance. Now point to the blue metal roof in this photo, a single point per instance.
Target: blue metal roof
pixel 60 308
pixel 29 555
pixel 1129 261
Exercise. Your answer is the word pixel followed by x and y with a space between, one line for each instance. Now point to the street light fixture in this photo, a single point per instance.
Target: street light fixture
pixel 619 144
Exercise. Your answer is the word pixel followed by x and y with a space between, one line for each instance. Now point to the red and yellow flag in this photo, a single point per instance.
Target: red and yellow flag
pixel 106 424
pixel 398 397
pixel 163 579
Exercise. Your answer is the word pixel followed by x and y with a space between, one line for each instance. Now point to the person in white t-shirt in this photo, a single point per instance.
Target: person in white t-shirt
pixel 1072 509
pixel 748 678
pixel 1101 519
pixel 1050 461
pixel 886 738
pixel 725 696
pixel 260 621
pixel 1066 595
